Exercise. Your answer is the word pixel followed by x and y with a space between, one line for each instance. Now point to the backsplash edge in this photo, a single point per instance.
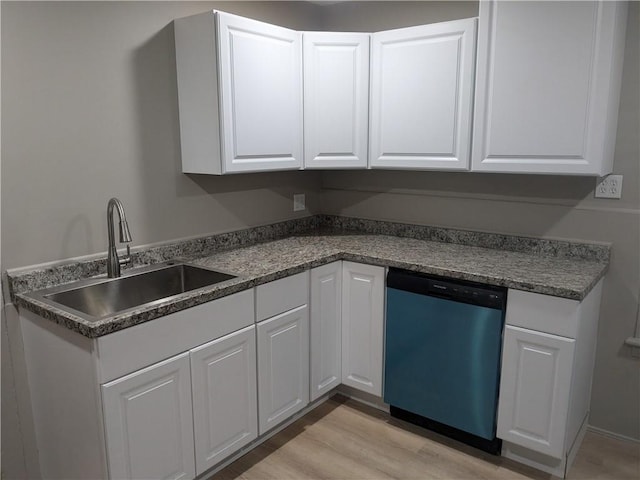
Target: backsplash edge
pixel 25 279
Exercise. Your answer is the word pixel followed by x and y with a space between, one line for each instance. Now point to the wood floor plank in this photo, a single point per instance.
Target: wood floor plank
pixel 602 457
pixel 345 440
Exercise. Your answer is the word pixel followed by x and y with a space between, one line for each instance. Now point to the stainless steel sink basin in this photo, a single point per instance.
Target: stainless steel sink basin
pixel 111 296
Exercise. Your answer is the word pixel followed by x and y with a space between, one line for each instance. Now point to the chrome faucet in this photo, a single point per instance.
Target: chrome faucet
pixel 113 262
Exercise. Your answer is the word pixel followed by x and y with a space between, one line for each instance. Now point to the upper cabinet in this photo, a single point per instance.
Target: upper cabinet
pixel 336 99
pixel 421 96
pixel 548 86
pixel 239 94
pixel 257 97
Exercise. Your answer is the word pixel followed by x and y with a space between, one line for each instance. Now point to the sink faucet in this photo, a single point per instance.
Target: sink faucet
pixel 113 262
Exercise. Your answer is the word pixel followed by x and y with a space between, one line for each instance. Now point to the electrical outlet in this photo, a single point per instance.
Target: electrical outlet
pixel 298 202
pixel 609 186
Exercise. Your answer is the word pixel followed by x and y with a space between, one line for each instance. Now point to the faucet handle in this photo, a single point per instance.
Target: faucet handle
pixel 126 260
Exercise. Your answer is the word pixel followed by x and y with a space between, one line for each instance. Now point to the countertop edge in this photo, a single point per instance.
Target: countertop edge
pixel 131 318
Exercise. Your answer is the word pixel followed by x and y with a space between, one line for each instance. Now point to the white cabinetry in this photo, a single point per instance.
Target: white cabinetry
pixel 421 96
pixel 325 327
pixel 283 349
pixel 336 99
pixel 239 94
pixel 536 377
pixel 362 326
pixel 225 402
pixel 149 424
pixel 140 394
pixel 545 383
pixel 548 86
pixel 283 346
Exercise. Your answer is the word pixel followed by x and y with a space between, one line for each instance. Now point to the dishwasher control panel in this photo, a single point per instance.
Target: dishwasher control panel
pixel 457 290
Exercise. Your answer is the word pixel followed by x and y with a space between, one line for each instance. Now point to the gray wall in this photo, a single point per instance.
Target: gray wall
pixel 541 206
pixel 89 111
pixel 375 16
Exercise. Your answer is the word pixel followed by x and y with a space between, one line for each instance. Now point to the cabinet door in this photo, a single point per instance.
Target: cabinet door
pixel 283 366
pixel 534 390
pixel 336 99
pixel 261 95
pixel 548 85
pixel 149 424
pixel 325 329
pixel 421 96
pixel 225 405
pixel 362 326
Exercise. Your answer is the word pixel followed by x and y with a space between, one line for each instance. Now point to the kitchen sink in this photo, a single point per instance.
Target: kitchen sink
pixel 144 286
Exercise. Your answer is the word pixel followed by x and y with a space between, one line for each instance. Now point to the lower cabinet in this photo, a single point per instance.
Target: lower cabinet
pixel 283 366
pixel 362 326
pixel 188 406
pixel 208 394
pixel 325 326
pixel 149 424
pixel 536 380
pixel 545 385
pixel 226 392
pixel 225 405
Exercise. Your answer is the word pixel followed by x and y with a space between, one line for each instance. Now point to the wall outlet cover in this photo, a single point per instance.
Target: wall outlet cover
pixel 298 202
pixel 609 186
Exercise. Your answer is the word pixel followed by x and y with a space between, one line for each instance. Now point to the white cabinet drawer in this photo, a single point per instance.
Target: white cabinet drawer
pixel 136 347
pixel 281 295
pixel 543 313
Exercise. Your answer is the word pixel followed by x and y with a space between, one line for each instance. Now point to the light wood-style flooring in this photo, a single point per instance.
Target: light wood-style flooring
pixel 343 439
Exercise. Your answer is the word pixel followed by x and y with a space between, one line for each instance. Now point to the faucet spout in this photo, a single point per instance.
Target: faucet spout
pixel 113 262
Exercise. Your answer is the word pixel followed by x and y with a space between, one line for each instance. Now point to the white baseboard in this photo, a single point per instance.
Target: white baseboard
pixel 539 461
pixel 607 433
pixel 362 397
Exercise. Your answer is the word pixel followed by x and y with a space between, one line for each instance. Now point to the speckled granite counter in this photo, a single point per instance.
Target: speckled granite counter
pixel 563 269
pixel 560 277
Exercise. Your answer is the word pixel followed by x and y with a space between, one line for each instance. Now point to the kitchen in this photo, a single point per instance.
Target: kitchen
pixel 90 111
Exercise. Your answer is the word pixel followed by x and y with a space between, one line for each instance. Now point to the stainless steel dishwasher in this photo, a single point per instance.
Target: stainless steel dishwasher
pixel 443 342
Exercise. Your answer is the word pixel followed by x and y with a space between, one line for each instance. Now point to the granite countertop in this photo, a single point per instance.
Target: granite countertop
pixel 560 277
pixel 569 276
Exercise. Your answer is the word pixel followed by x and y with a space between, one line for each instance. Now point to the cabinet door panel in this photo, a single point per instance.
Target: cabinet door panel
pixel 546 85
pixel 261 95
pixel 421 96
pixel 534 390
pixel 149 423
pixel 336 99
pixel 283 366
pixel 224 396
pixel 326 329
pixel 362 326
